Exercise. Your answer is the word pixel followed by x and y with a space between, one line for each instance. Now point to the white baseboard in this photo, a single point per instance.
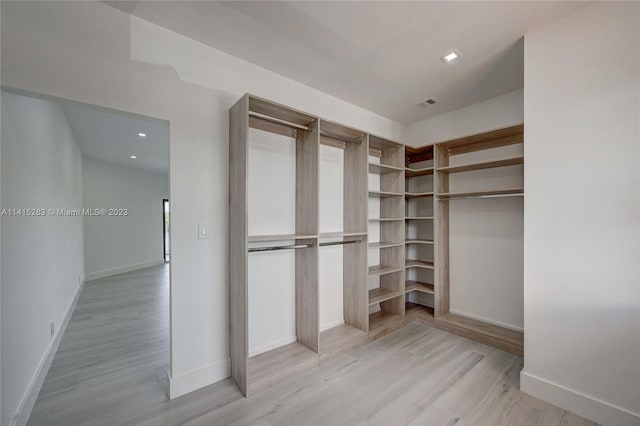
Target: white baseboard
pixel 571 400
pixel 487 320
pixel 196 379
pixel 122 269
pixel 273 345
pixel 30 395
pixel 331 325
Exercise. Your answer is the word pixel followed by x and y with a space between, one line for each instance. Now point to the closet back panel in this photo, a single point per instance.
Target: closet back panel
pixel 331 220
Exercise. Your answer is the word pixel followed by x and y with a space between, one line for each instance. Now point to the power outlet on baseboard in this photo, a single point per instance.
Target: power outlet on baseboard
pixel 53 329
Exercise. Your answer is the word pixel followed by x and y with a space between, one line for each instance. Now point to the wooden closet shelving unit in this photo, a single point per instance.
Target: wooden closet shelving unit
pixel 410 282
pixel 419 238
pixel 500 337
pixel 387 298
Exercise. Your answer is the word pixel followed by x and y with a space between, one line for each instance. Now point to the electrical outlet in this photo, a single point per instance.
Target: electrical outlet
pixel 53 329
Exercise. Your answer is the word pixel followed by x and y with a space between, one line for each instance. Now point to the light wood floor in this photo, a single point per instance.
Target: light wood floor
pixel 111 363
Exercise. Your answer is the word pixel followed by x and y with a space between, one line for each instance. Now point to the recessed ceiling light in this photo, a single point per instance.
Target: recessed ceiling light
pixel 451 56
pixel 133 157
pixel 142 134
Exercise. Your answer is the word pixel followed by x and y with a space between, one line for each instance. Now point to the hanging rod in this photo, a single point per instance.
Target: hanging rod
pixel 274 248
pixel 337 243
pixel 301 127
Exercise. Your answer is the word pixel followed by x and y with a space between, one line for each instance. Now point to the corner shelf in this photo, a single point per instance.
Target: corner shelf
pixel 410 286
pixel 517 192
pixel 418 194
pixel 383 169
pixel 419 313
pixel 381 294
pixel 414 263
pixel 514 161
pixel 410 173
pixel 383 269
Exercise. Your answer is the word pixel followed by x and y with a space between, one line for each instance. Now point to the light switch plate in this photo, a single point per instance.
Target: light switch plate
pixel 203 231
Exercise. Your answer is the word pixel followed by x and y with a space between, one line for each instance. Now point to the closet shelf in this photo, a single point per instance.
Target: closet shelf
pixel 381 294
pixel 340 234
pixel 385 194
pixel 414 263
pixel 410 286
pixel 383 169
pixel 485 165
pixel 408 172
pixel 418 194
pixel 278 237
pixel 384 269
pixel 419 218
pixel 385 244
pixel 386 219
pixel 382 323
pixel 418 241
pixel 518 192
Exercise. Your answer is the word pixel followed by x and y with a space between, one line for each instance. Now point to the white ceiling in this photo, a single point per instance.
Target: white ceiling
pixel 112 136
pixel 383 56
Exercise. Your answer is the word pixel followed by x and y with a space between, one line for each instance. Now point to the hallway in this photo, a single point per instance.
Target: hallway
pixel 115 349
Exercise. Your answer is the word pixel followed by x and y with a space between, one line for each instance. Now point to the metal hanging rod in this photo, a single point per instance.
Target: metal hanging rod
pixel 337 243
pixel 301 127
pixel 274 248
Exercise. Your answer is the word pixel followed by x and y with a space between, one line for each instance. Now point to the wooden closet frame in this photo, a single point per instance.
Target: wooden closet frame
pixel 253 374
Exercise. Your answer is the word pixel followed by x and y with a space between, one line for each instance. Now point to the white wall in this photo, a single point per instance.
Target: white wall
pixel 582 217
pixel 109 186
pixel 42 257
pixel 105 57
pixel 486 235
pixel 502 111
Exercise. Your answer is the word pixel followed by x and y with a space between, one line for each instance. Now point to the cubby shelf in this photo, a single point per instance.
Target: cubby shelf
pixel 385 194
pixel 419 218
pixel 381 294
pixel 516 192
pixel 278 237
pixel 385 244
pixel 408 172
pixel 383 269
pixel 415 263
pixel 480 166
pixel 418 241
pixel 386 219
pixel 383 169
pixel 418 194
pixel 410 285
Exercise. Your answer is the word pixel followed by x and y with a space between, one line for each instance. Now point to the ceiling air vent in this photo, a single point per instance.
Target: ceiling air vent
pixel 428 102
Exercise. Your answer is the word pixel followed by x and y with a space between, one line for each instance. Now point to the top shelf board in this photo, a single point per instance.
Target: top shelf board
pixel 487 140
pixel 416 155
pixel 380 144
pixel 517 192
pixel 340 132
pixel 480 166
pixel 280 112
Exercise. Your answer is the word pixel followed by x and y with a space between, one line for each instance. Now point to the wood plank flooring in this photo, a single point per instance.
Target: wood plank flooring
pixel 111 364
